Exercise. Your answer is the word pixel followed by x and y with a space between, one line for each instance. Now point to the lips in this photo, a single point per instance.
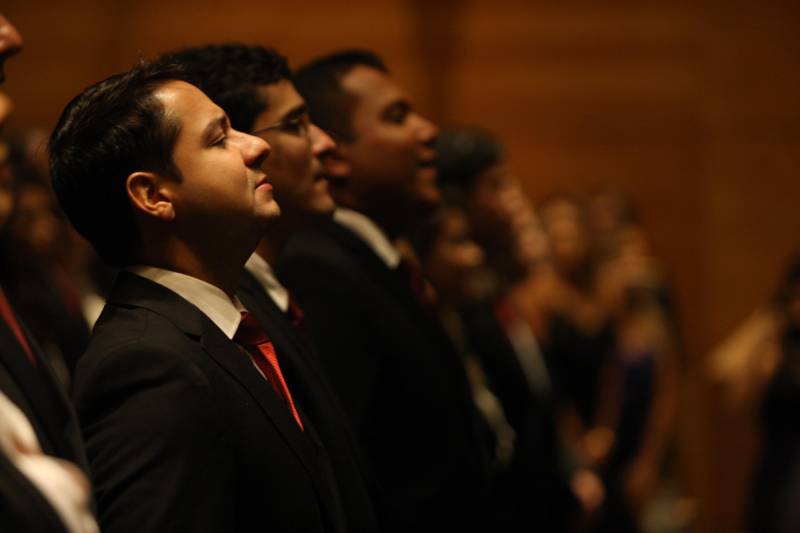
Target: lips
pixel 427 162
pixel 264 182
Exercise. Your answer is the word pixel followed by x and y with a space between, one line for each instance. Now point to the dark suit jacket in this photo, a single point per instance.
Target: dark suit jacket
pixel 533 489
pixel 316 399
pixel 38 394
pixel 23 509
pixel 399 378
pixel 61 330
pixel 183 433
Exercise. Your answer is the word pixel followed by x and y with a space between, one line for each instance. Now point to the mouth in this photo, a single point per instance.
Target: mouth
pixel 264 182
pixel 427 162
pixel 321 176
pixel 427 167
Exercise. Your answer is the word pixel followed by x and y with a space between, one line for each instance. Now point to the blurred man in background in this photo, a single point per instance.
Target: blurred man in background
pixel 41 488
pixel 401 381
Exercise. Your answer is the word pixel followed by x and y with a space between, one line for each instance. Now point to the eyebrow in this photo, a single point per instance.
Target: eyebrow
pixel 218 123
pixel 298 111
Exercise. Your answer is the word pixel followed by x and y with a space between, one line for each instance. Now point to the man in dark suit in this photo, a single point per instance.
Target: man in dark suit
pixel 189 423
pixel 252 84
pixel 41 489
pixel 400 380
pixel 25 376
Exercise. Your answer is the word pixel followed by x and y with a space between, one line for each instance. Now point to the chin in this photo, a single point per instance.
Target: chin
pixel 272 210
pixel 430 196
pixel 324 206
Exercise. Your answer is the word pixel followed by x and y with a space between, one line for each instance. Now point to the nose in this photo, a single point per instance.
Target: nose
pixel 427 130
pixel 254 150
pixel 321 142
pixel 10 39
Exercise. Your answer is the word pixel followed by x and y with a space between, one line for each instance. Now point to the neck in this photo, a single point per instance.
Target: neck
pixel 221 270
pixel 270 248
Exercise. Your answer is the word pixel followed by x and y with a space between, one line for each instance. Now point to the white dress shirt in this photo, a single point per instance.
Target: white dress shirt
pixel 370 233
pixel 210 300
pixel 262 271
pixel 62 484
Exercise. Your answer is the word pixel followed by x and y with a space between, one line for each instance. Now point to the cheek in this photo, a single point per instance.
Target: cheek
pixel 394 145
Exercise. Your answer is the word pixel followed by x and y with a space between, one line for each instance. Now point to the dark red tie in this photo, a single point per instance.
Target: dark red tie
pixel 255 340
pixel 420 287
pixel 296 314
pixel 13 324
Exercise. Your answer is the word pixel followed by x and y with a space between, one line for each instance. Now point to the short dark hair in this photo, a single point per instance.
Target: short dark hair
pixel 319 82
pixel 230 75
pixel 109 131
pixel 463 155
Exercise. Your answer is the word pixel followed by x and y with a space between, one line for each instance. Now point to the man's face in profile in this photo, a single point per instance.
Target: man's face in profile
pixel 10 43
pixel 221 189
pixel 392 155
pixel 294 165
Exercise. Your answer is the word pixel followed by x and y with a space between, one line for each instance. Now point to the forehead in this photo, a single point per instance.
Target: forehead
pixel 187 105
pixel 372 88
pixel 281 98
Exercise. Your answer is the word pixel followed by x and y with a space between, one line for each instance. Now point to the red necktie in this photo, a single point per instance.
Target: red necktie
pixel 255 340
pixel 13 324
pixel 420 287
pixel 296 314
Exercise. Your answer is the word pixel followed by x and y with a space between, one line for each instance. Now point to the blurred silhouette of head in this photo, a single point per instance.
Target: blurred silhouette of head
pixel 34 231
pixel 472 171
pixel 450 258
pixel 564 220
pixel 10 43
pixel 471 163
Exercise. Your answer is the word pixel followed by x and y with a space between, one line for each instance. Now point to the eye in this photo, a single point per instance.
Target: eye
pixel 297 125
pixel 221 141
pixel 397 113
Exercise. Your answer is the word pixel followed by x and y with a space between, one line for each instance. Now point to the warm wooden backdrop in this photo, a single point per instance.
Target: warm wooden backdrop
pixel 692 107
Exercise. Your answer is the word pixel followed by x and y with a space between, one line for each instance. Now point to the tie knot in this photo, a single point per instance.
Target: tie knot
pixel 296 314
pixel 415 280
pixel 250 332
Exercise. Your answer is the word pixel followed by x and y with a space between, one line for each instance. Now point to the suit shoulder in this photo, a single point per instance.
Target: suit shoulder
pixel 132 349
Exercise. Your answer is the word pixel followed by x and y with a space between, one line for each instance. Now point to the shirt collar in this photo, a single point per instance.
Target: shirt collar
pixel 210 300
pixel 262 271
pixel 370 233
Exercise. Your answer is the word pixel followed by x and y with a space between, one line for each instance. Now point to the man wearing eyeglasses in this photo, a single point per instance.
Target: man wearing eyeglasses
pixel 252 84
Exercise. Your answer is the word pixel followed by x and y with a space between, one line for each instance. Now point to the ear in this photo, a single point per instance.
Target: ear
pixel 337 164
pixel 150 195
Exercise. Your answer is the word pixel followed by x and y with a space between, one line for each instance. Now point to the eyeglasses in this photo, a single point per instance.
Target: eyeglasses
pixel 296 124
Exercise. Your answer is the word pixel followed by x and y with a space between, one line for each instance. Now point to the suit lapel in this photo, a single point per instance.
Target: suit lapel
pixel 132 290
pixel 41 397
pixel 386 278
pixel 231 358
pixel 393 282
pixel 291 350
pixel 274 321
